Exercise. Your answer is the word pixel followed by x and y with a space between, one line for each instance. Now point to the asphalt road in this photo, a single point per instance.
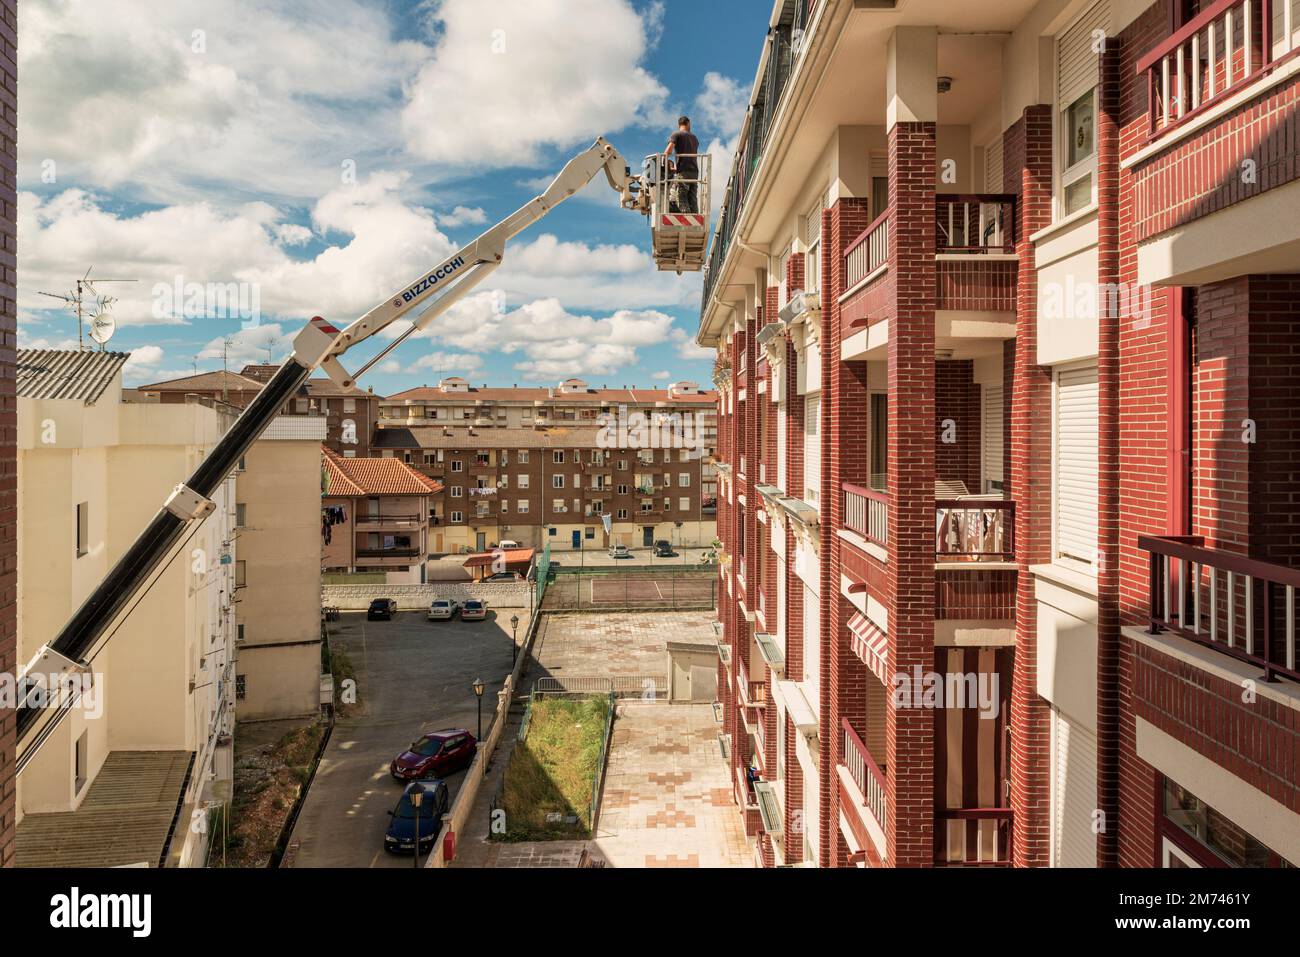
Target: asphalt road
pixel 412 675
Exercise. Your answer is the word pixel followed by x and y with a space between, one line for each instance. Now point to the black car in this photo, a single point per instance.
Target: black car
pixel 664 549
pixel 381 609
pixel 401 834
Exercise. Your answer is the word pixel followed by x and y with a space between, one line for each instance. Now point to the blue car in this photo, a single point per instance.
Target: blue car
pixel 400 838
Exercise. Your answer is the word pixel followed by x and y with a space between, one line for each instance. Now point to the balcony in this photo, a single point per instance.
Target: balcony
pixel 401 551
pixel 975 530
pixel 973 837
pixel 868 253
pixel 1238 606
pixel 365 522
pixel 864 791
pixel 866 512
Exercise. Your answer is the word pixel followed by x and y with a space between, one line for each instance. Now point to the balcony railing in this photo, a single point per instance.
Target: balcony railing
pixel 866 774
pixel 1239 606
pixel 1225 47
pixel 973 837
pixel 866 512
pixel 975 530
pixel 388 519
pixel 868 252
pixel 975 223
pixel 779 52
pixel 401 552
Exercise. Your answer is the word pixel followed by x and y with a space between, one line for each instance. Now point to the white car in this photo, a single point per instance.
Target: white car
pixel 474 609
pixel 442 609
pixel 619 551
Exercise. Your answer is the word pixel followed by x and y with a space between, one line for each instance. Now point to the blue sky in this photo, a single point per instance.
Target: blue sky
pixel 320 155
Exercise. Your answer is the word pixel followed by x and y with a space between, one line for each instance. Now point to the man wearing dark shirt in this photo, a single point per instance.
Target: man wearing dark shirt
pixel 684 144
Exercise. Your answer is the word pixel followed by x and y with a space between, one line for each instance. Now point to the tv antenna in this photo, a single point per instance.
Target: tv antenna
pixel 102 323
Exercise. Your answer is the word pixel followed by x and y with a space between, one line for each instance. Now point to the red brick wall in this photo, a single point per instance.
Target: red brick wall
pixel 794 416
pixel 910 731
pixel 1027 171
pixel 845 407
pixel 978 284
pixel 986 595
pixel 957 398
pixel 8 410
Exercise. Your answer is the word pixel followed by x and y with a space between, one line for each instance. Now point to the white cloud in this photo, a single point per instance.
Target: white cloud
pixel 685 347
pixel 142 364
pixel 463 216
pixel 663 374
pixel 509 77
pixel 269 99
pixel 260 344
pixel 720 106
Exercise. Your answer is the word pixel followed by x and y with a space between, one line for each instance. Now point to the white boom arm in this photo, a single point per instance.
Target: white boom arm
pixel 466 268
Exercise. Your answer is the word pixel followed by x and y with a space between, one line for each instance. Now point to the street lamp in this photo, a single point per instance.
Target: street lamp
pixel 478 693
pixel 514 639
pixel 416 794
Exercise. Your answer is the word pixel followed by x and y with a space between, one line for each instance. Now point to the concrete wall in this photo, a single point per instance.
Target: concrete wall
pixel 417 597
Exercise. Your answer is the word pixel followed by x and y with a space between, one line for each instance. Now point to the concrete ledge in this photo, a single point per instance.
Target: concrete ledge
pixel 417 597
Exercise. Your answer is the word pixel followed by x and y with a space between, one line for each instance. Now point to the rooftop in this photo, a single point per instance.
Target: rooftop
pixel 371 476
pixel 67 374
pixel 471 440
pixel 632 396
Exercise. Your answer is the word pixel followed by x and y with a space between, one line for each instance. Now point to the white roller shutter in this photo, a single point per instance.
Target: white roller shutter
pixel 991 435
pixel 1076 464
pixel 1074 793
pixel 993 166
pixel 1076 60
pixel 812 450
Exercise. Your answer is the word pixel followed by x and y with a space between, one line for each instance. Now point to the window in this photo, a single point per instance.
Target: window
pixel 812 447
pixel 879 441
pixel 590 533
pixel 483 458
pixel 623 490
pixel 457 517
pixel 523 456
pixel 241 515
pixel 557 505
pixel 621 514
pixel 300 406
pixel 684 479
pixel 1075 459
pixel 505 505
pixel 622 465
pixel 239 632
pixel 1076 81
pixel 522 481
pixel 457 492
pixel 349 406
pixel 521 506
pixel 991 438
pixel 684 455
pixel 83 528
pixel 349 453
pixel 558 457
pixel 243 466
pixel 457 465
pixel 241 573
pixel 684 504
pixel 241 687
pixel 812 240
pixel 557 481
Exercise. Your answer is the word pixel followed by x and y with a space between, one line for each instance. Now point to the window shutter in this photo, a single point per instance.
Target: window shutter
pixel 812 221
pixel 812 465
pixel 993 167
pixel 991 430
pixel 1076 62
pixel 1076 464
pixel 1074 793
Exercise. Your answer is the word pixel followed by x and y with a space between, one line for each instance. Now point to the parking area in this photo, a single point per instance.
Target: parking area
pixel 412 675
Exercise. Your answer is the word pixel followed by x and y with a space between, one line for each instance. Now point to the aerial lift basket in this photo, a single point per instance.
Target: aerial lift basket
pixel 679 212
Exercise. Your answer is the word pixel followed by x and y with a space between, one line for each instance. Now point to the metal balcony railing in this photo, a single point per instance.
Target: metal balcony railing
pixel 973 837
pixel 866 774
pixel 398 552
pixel 780 50
pixel 975 223
pixel 1236 605
pixel 1228 45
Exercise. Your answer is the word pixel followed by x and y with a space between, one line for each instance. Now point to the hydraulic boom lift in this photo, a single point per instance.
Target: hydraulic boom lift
pixel 321 345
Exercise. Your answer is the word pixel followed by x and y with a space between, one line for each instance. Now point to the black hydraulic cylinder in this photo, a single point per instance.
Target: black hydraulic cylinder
pixel 122 584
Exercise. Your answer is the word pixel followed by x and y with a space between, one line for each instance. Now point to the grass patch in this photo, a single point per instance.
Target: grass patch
pixel 267 783
pixel 347 691
pixel 546 794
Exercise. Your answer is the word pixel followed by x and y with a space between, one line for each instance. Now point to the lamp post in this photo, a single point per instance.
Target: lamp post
pixel 416 795
pixel 514 640
pixel 478 694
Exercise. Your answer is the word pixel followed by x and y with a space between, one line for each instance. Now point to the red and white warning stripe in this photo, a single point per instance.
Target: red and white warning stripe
pixel 682 219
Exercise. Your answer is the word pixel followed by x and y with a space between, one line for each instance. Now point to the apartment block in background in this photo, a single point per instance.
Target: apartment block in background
pixel 1004 298
pixel 154 741
pixel 375 516
pixel 278 571
pixel 349 414
pixel 555 484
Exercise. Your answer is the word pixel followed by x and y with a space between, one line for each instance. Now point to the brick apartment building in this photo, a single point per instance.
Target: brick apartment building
pixel 350 414
pixel 1004 297
pixel 538 465
pixel 8 411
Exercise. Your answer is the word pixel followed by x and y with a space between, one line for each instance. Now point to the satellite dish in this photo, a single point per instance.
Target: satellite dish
pixel 102 327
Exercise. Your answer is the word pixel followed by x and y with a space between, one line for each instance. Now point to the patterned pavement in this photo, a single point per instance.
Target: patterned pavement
pixel 626 643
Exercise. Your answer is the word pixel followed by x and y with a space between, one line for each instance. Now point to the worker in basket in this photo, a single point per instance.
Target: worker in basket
pixel 684 194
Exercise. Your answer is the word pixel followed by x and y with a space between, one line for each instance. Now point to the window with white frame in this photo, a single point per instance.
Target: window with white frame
pixel 457 492
pixel 812 449
pixel 522 481
pixel 558 456
pixel 521 506
pixel 1074 488
pixel 783 271
pixel 457 517
pixel 1076 108
pixel 812 240
pixel 991 438
pixel 557 481
pixel 523 456
pixel 684 479
pixel 684 504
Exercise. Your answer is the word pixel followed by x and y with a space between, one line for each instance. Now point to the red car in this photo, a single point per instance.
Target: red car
pixel 435 754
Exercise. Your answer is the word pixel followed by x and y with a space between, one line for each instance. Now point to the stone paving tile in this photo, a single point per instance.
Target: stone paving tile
pixel 630 643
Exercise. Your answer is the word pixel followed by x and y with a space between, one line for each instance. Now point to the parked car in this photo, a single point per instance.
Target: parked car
pixel 504 577
pixel 508 543
pixel 619 551
pixel 435 754
pixel 401 834
pixel 382 609
pixel 442 609
pixel 664 549
pixel 474 609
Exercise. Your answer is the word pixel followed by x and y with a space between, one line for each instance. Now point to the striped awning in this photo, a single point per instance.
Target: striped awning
pixel 871 645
